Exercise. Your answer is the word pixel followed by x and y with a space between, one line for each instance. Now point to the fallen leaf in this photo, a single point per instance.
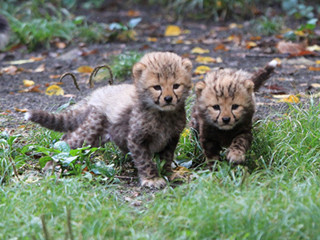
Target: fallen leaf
pixel 54 76
pixel 299 33
pixel 219 60
pixel 220 47
pixel 133 13
pixel 290 99
pixel 172 30
pixel 255 38
pixel 205 60
pixel 60 45
pixel 315 85
pixel 85 69
pixel 250 44
pixel 314 48
pixel 152 39
pixel 87 53
pixel 314 68
pixel 21 110
pixel 54 90
pixel 202 69
pixel 235 25
pixel 36 59
pixel 23 61
pixel 28 83
pixel 31 89
pixel 200 50
pixel 11 70
pixel 294 49
pixel 40 68
pixel 317 61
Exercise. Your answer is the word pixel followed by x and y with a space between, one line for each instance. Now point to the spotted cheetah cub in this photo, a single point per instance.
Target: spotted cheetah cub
pixel 222 114
pixel 144 118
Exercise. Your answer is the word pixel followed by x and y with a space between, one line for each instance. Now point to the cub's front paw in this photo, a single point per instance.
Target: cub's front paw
pixel 236 156
pixel 153 183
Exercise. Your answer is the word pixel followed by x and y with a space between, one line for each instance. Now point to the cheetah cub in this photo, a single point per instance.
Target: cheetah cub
pixel 144 118
pixel 222 114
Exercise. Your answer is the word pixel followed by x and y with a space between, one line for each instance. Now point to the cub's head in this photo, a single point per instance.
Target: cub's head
pixel 226 97
pixel 163 80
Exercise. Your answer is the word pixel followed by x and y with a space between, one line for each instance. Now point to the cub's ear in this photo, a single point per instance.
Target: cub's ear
pixel 137 70
pixel 199 87
pixel 187 64
pixel 249 85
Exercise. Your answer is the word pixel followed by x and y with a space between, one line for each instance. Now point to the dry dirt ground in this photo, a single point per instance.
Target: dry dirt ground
pixel 292 77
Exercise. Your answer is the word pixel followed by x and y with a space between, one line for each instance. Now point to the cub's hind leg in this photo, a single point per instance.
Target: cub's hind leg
pixel 236 153
pixel 93 131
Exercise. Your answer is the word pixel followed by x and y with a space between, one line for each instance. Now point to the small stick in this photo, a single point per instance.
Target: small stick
pixel 73 77
pixel 69 223
pixel 125 177
pixel 96 70
pixel 14 168
pixel 44 227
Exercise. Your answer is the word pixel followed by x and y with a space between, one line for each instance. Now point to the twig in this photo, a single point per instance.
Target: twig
pixel 267 55
pixel 96 70
pixel 125 177
pixel 73 77
pixel 44 227
pixel 69 223
pixel 14 168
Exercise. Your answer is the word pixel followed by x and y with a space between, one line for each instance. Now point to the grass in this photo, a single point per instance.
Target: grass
pixel 274 197
pixel 38 23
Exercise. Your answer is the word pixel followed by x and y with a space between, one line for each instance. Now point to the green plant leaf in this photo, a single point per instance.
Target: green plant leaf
pixel 134 22
pixel 62 146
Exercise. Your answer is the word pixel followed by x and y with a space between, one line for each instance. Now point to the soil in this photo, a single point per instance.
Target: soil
pixel 292 77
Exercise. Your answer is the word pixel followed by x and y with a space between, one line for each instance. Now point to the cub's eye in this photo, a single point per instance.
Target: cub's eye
pixel 176 86
pixel 157 87
pixel 216 107
pixel 234 106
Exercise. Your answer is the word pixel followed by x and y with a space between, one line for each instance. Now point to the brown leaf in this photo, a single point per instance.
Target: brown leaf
pixel 93 51
pixel 133 13
pixel 314 68
pixel 220 47
pixel 294 49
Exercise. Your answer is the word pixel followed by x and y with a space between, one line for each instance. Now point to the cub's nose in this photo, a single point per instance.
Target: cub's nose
pixel 226 120
pixel 168 99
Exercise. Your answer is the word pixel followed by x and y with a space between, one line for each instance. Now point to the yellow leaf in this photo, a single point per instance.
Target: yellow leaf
pixel 299 33
pixel 28 83
pixel 204 60
pixel 85 69
pixel 23 110
pixel 54 90
pixel 172 30
pixel 290 99
pixel 317 61
pixel 234 25
pixel 202 69
pixel 199 50
pixel 152 39
pixel 250 45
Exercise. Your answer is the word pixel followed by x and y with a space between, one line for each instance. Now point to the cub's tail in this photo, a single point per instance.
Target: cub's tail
pixel 4 32
pixel 62 122
pixel 263 74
